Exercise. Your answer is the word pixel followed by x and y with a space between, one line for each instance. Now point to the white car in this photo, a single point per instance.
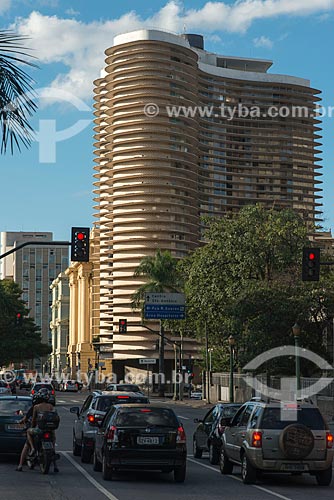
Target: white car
pixel 196 395
pixel 5 389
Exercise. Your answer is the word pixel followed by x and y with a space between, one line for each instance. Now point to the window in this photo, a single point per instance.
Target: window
pixel 86 404
pixel 254 422
pixel 245 417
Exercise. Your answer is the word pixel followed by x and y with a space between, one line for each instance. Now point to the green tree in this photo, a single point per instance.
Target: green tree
pixel 16 97
pixel 160 273
pixel 246 281
pixel 18 342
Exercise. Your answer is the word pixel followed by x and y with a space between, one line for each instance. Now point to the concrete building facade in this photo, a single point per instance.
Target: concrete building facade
pixel 34 268
pixel 59 324
pixel 157 173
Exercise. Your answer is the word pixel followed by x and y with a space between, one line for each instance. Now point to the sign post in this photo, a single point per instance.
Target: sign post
pixel 147 362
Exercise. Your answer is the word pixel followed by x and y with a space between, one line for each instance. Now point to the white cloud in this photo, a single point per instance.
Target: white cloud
pixel 263 41
pixel 80 46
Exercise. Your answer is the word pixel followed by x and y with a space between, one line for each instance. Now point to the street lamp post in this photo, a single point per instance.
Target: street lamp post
pixel 231 341
pixel 296 334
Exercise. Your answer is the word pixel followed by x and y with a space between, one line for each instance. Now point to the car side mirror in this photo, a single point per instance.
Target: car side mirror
pixel 75 409
pixel 198 421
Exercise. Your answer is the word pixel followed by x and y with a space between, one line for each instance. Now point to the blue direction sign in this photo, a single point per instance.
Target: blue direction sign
pixel 164 311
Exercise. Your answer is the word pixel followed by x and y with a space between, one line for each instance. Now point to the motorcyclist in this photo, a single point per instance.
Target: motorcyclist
pixel 40 408
pixel 27 420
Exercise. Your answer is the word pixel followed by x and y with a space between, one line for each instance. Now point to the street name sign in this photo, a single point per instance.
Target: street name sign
pixel 164 306
pixel 147 361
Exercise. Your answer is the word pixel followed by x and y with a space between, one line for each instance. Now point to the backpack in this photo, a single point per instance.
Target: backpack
pixel 48 420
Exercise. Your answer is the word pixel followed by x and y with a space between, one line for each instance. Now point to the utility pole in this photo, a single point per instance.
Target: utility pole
pixel 161 385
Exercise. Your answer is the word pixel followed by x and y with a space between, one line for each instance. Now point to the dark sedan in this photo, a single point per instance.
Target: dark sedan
pixel 13 434
pixel 207 436
pixel 141 437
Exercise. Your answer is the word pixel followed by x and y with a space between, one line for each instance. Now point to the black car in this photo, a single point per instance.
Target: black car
pixel 13 434
pixel 208 435
pixel 141 437
pixel 92 412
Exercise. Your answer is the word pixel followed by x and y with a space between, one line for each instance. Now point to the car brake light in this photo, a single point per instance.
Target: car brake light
pixel 46 435
pixel 112 436
pixel 145 410
pixel 91 418
pixel 329 440
pixel 33 392
pixel 256 439
pixel 52 392
pixel 123 397
pixel 181 435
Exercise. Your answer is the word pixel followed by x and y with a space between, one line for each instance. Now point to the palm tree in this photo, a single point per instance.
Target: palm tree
pixel 16 95
pixel 161 274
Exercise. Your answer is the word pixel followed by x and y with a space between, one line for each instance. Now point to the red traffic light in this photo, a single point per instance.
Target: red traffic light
pixel 18 315
pixel 311 256
pixel 80 236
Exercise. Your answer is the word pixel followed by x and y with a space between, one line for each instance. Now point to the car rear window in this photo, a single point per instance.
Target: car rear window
pixel 127 388
pixel 144 417
pixel 37 387
pixel 230 411
pixel 310 417
pixel 105 403
pixel 13 407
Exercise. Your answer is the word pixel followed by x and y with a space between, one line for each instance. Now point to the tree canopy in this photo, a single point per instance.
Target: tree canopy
pixel 246 281
pixel 18 342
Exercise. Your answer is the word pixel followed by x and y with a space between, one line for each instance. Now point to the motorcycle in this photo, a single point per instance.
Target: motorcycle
pixel 45 453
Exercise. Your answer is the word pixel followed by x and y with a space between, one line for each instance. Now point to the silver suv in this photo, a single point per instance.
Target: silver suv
pixel 261 438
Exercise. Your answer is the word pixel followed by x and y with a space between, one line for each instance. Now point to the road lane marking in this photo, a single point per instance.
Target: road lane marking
pixel 89 478
pixel 240 480
pixel 75 401
pixel 185 418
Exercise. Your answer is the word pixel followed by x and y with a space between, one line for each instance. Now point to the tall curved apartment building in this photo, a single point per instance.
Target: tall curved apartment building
pixel 157 175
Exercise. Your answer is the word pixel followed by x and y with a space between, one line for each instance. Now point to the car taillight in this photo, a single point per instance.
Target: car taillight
pixel 181 435
pixel 256 439
pixel 123 397
pixel 112 436
pixel 52 392
pixel 91 418
pixel 33 392
pixel 329 440
pixel 46 435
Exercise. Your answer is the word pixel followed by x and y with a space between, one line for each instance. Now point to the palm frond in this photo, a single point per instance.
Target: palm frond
pixel 17 103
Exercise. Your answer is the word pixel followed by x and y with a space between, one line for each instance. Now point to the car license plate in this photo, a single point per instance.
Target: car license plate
pixel 147 440
pixel 47 445
pixel 294 467
pixel 15 427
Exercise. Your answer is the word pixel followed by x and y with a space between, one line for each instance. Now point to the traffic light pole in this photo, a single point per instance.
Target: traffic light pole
pixel 35 243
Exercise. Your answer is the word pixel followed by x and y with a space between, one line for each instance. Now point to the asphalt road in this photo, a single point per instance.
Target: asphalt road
pixel 77 481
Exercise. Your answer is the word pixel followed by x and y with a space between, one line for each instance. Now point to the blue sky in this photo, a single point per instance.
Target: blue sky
pixel 46 188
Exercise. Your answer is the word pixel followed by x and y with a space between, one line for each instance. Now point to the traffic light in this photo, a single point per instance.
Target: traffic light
pixel 311 264
pixel 122 325
pixel 80 244
pixel 19 319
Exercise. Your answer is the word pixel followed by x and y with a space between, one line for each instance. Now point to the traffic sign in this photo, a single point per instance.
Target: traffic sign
pixel 164 311
pixel 165 298
pixel 147 361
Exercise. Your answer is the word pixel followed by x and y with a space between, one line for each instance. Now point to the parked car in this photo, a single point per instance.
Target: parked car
pixel 13 434
pixel 196 395
pixel 92 412
pixel 261 439
pixel 43 385
pixel 5 388
pixel 140 437
pixel 124 387
pixel 208 435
